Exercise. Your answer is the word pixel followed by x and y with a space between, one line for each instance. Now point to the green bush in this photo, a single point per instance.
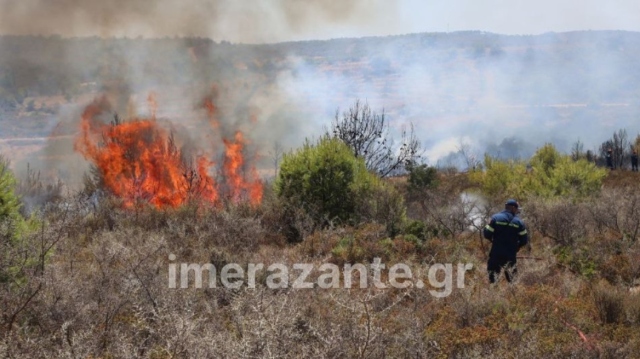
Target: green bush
pixel 16 255
pixel 348 250
pixel 416 229
pixel 500 178
pixel 323 179
pixel 422 177
pixel 550 175
pixel 382 203
pixel 9 202
pixel 13 222
pixel 333 186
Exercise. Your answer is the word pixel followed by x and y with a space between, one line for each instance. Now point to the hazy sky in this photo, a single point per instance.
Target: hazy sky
pixel 284 20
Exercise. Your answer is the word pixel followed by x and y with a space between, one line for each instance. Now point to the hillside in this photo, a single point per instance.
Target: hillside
pixel 477 87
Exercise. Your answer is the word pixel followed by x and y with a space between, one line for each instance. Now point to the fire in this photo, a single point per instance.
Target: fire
pixel 209 104
pixel 233 164
pixel 140 162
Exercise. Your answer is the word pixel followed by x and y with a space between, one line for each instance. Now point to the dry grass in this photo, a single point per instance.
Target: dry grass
pixel 103 289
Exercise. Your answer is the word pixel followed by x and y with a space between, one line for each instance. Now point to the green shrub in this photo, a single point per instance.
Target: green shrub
pixel 333 186
pixel 577 259
pixel 16 254
pixel 348 250
pixel 9 202
pixel 417 242
pixel 500 178
pixel 550 175
pixel 422 177
pixel 416 229
pixel 322 178
pixel 382 203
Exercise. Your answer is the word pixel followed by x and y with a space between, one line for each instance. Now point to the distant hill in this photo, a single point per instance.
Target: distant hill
pixel 475 85
pixel 569 62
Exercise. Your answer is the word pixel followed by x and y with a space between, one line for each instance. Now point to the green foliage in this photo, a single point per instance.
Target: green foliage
pixel 15 253
pixel 578 260
pixel 323 178
pixel 550 175
pixel 331 184
pixel 348 250
pixel 9 202
pixel 415 241
pixel 580 178
pixel 501 177
pixel 422 177
pixel 416 229
pixel 546 158
pixel 381 203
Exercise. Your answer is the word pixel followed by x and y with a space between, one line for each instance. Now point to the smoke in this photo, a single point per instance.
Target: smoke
pixel 505 95
pixel 230 20
pixel 496 94
pixel 259 107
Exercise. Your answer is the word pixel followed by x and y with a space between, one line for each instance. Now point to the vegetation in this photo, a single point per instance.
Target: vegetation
pixel 367 135
pixel 568 300
pixel 90 279
pixel 335 187
pixel 548 174
pixel 9 202
pixel 324 178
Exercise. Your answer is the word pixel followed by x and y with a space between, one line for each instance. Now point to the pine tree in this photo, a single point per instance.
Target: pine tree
pixel 9 201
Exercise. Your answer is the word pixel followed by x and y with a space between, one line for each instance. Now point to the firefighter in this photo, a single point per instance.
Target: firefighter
pixel 634 161
pixel 609 157
pixel 507 234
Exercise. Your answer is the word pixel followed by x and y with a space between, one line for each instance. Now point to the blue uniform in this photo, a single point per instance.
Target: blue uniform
pixel 507 234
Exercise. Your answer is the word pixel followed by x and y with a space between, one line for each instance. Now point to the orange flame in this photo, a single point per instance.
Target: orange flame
pixel 233 165
pixel 140 162
pixel 209 104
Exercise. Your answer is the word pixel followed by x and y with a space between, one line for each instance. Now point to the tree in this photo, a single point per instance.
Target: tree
pixel 470 158
pixel 276 154
pixel 577 150
pixel 619 145
pixel 421 178
pixel 9 201
pixel 366 133
pixel 546 157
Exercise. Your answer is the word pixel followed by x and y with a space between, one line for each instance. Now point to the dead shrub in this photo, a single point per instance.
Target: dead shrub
pixel 35 192
pixel 283 220
pixel 447 214
pixel 609 303
pixel 617 269
pixel 560 220
pixel 633 308
pixel 618 210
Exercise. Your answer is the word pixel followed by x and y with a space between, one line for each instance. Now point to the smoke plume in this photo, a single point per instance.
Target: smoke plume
pixel 230 20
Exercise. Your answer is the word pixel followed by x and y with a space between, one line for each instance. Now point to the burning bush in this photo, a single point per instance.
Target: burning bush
pixel 140 162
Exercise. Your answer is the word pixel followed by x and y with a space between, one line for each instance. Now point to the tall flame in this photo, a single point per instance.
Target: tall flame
pixel 233 165
pixel 140 162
